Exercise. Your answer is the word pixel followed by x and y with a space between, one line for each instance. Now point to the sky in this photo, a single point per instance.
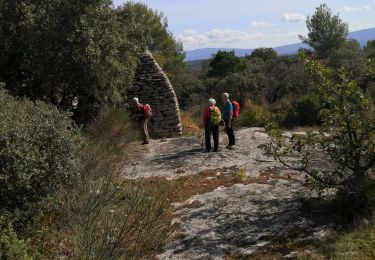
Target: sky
pixel 251 23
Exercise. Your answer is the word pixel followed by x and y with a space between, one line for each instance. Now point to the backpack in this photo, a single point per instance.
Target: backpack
pixel 215 116
pixel 236 109
pixel 147 111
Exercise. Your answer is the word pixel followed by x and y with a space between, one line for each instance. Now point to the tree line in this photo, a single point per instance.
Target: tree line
pixel 58 50
pixel 279 83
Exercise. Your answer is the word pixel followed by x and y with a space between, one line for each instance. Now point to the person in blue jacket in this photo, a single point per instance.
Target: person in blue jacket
pixel 228 120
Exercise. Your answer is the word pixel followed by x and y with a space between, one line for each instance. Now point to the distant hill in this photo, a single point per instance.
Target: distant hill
pixel 202 54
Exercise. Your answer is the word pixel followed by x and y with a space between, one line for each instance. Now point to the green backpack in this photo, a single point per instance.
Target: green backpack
pixel 215 116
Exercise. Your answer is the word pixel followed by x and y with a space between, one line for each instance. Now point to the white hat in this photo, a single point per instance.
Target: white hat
pixel 226 95
pixel 212 101
pixel 136 99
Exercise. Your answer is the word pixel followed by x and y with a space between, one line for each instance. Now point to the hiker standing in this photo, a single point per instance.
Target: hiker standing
pixel 228 120
pixel 142 115
pixel 211 121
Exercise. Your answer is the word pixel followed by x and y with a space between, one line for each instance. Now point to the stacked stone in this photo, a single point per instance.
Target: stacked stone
pixel 152 86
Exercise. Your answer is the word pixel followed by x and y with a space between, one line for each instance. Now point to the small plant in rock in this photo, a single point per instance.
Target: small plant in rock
pixel 240 176
pixel 341 155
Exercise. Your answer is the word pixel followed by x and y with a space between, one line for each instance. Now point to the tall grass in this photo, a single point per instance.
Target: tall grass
pixel 106 215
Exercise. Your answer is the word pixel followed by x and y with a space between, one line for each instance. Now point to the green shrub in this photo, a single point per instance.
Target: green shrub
pixel 306 110
pixel 253 116
pixel 39 149
pixel 240 176
pixel 11 247
pixel 345 140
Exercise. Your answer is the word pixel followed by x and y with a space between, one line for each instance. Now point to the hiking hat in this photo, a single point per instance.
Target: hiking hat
pixel 226 95
pixel 136 99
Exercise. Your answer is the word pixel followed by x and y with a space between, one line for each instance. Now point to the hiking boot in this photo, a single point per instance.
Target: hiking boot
pixel 145 142
pixel 215 150
pixel 230 147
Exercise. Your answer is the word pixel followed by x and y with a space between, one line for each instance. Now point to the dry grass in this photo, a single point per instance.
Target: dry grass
pixel 190 124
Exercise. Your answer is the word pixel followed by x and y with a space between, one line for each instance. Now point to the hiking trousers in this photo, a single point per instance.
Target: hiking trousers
pixel 214 131
pixel 230 132
pixel 144 126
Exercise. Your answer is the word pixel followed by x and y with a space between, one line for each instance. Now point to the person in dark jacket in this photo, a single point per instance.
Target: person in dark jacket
pixel 210 127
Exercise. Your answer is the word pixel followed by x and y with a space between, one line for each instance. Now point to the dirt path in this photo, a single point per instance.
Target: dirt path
pixel 232 220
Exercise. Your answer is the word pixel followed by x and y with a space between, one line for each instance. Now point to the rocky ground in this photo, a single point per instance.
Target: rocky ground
pixel 235 220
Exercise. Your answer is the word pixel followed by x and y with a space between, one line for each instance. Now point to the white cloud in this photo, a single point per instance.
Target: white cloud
pixel 350 9
pixel 261 24
pixel 286 35
pixel 217 38
pixel 293 17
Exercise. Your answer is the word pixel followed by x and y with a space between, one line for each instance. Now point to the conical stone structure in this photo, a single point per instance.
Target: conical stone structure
pixel 152 86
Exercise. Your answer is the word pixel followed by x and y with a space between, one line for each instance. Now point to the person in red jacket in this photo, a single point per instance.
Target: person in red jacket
pixel 142 116
pixel 209 128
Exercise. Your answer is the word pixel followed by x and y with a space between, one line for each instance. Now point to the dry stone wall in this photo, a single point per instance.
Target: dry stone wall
pixel 152 86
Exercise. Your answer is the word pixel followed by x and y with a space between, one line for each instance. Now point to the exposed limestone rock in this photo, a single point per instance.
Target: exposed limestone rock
pixel 234 220
pixel 152 86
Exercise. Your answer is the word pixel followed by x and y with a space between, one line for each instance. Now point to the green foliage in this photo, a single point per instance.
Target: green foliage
pixel 11 247
pixel 264 54
pixel 307 110
pixel 57 50
pixel 327 32
pixel 283 76
pixel 349 57
pixel 188 88
pixel 368 78
pixel 240 86
pixel 253 116
pixel 240 176
pixel 225 63
pixel 357 243
pixel 152 33
pixel 370 49
pixel 39 154
pixel 346 138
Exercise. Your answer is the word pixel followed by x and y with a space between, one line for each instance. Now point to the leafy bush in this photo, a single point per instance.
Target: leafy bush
pixel 253 116
pixel 11 247
pixel 345 141
pixel 307 109
pixel 39 154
